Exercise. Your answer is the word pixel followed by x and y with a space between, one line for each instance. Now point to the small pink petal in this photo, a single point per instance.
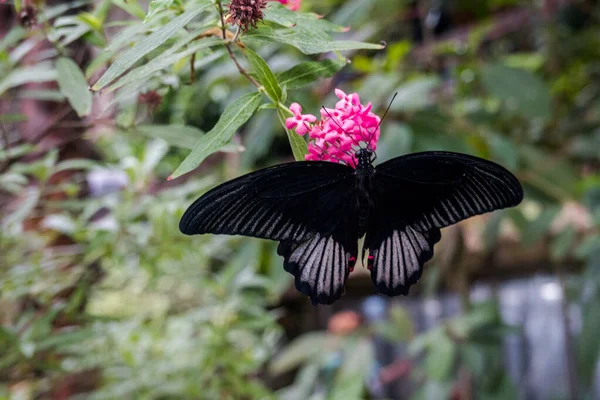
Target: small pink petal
pixel 301 129
pixel 291 123
pixel 339 93
pixel 296 108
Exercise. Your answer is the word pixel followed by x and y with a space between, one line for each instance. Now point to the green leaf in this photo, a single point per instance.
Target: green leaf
pixel 183 136
pixel 589 245
pixel 29 199
pixel 473 358
pixel 433 390
pixel 234 116
pixel 59 9
pixel 399 327
pixel 126 36
pixel 415 94
pixel 563 243
pixel 297 142
pixel 528 61
pixel 309 21
pixel 75 163
pixel 74 86
pixel 43 95
pixel 306 73
pixel 156 6
pixel 145 46
pixel 12 118
pixel 537 228
pixel 163 61
pixel 503 150
pixel 303 348
pixel 307 42
pixel 522 91
pixel 588 345
pixel 440 358
pixel 265 76
pixel 360 354
pixel 397 139
pixel 554 177
pixel 13 36
pixel 92 21
pixel 258 140
pixel 131 7
pixel 42 72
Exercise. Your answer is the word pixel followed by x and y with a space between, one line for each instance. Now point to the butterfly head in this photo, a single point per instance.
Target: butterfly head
pixel 365 157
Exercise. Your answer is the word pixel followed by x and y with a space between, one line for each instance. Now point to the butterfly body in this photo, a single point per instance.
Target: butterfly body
pixel 365 171
pixel 318 211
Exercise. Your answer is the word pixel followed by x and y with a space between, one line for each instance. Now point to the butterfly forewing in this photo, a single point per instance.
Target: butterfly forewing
pixel 415 196
pixel 310 207
pixel 438 189
pixel 286 202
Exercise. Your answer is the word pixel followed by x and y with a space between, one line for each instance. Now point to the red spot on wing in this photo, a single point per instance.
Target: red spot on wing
pixel 352 263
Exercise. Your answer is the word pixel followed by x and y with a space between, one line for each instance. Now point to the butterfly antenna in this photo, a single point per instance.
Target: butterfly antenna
pixel 382 118
pixel 343 130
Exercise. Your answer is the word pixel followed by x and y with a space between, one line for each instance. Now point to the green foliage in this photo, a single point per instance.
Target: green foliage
pixel 265 76
pixel 145 46
pixel 307 73
pixel 105 281
pixel 74 86
pixel 232 118
pixel 523 92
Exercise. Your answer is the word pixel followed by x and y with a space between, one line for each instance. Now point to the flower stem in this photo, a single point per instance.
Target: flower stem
pixel 230 52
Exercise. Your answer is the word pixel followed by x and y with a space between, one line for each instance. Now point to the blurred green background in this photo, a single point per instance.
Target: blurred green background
pixel 102 297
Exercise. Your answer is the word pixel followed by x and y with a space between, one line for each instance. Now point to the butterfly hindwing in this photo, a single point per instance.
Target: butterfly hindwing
pixel 321 264
pixel 416 195
pixel 397 255
pixel 286 202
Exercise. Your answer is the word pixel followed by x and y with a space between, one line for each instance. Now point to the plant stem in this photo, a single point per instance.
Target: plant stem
pixel 228 47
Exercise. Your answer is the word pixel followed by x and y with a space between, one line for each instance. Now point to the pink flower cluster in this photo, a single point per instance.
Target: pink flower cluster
pixel 338 134
pixel 293 5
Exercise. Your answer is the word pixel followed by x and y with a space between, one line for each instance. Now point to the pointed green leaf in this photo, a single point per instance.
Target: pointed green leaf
pixel 74 86
pixel 522 91
pixel 306 73
pixel 309 21
pixel 163 61
pixel 146 45
pixel 183 136
pixel 264 74
pixel 156 6
pixel 234 116
pixel 306 41
pixel 12 37
pixel 306 347
pixel 415 95
pixel 131 7
pixel 297 142
pixel 42 72
pixel 90 20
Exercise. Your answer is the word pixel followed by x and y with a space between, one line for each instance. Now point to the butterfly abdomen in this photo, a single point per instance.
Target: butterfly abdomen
pixel 364 198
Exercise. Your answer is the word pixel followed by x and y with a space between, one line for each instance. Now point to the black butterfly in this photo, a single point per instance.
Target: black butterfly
pixel 318 210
